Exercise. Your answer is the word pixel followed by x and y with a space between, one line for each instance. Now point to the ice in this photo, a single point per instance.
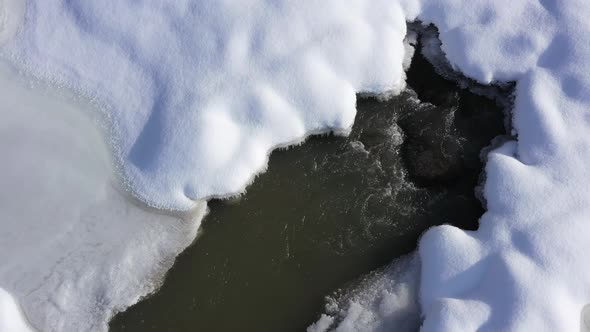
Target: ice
pixel 199 92
pixel 74 249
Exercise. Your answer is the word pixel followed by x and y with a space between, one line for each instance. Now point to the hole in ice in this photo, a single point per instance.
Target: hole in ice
pixel 329 211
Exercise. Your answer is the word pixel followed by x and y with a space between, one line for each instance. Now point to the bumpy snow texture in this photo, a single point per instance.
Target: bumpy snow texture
pixel 198 92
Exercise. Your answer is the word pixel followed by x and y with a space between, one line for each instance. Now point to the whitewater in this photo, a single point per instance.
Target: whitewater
pixel 195 94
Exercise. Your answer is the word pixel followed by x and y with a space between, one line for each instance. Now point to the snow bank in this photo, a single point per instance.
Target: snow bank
pixel 73 248
pixel 198 93
pixel 525 268
pixel 387 300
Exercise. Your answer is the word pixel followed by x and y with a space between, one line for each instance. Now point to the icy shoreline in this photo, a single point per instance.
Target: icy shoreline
pixel 329 210
pixel 74 248
pixel 200 92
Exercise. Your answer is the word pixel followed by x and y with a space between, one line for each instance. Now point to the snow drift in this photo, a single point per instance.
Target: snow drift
pixel 198 93
pixel 73 248
pixel 524 268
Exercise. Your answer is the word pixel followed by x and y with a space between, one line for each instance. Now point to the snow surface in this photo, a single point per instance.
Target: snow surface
pixel 73 248
pixel 12 318
pixel 383 301
pixel 524 269
pixel 11 18
pixel 199 92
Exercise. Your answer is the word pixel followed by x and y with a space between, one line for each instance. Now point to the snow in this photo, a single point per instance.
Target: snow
pixel 197 93
pixel 12 318
pixel 386 300
pixel 73 248
pixel 524 269
pixel 11 18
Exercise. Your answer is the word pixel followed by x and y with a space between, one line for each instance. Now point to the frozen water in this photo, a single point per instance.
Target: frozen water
pixel 196 94
pixel 199 92
pixel 74 249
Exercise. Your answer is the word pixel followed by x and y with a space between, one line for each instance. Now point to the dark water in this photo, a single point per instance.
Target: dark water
pixel 329 211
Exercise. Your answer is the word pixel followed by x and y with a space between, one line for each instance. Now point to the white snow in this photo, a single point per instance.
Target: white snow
pixel 199 92
pixel 73 248
pixel 12 318
pixel 525 268
pixel 385 301
pixel 11 18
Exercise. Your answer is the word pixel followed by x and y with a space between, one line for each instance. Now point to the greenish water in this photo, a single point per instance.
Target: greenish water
pixel 327 212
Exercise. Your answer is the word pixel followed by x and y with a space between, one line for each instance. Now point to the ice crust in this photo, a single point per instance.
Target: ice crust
pixel 198 92
pixel 73 248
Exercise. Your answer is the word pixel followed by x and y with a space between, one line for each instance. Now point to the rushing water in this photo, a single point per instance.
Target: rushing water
pixel 328 211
